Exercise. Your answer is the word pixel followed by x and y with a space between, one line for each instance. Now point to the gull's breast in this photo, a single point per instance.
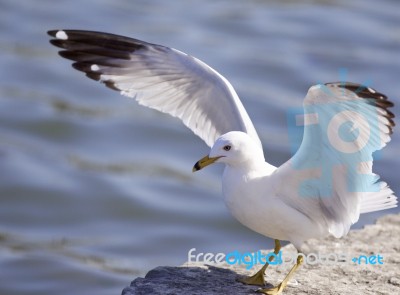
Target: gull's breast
pixel 252 201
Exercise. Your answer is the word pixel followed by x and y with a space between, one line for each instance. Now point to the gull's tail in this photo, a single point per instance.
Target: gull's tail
pixel 375 201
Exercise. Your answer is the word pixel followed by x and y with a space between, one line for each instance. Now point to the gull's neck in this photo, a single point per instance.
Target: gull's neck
pixel 256 165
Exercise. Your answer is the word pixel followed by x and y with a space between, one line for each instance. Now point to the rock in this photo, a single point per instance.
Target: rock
pixel 360 271
pixel 394 281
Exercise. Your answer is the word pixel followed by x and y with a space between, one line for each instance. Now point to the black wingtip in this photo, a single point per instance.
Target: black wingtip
pixel 372 96
pixel 52 33
pixel 77 39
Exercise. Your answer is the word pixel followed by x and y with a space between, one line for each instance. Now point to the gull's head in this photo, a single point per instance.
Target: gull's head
pixel 234 148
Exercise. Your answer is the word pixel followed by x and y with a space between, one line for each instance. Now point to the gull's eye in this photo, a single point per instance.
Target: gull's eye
pixel 227 148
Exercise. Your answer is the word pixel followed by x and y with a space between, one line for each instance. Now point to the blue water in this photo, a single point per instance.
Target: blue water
pixel 96 190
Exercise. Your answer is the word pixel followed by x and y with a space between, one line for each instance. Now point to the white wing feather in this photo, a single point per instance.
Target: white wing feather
pixel 332 175
pixel 161 78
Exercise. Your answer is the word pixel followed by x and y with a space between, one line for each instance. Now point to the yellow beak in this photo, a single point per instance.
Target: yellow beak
pixel 204 162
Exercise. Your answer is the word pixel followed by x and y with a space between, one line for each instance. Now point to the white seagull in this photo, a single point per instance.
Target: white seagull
pixel 320 191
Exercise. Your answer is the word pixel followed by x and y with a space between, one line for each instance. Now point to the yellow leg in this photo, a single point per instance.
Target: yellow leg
pixel 258 278
pixel 278 289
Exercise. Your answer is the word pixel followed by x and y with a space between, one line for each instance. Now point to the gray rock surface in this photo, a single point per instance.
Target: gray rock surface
pixel 345 277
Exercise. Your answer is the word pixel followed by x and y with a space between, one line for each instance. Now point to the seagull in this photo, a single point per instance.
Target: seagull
pixel 320 191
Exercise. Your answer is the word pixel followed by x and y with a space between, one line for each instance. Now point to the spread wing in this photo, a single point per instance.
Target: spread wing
pixel 159 77
pixel 344 124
